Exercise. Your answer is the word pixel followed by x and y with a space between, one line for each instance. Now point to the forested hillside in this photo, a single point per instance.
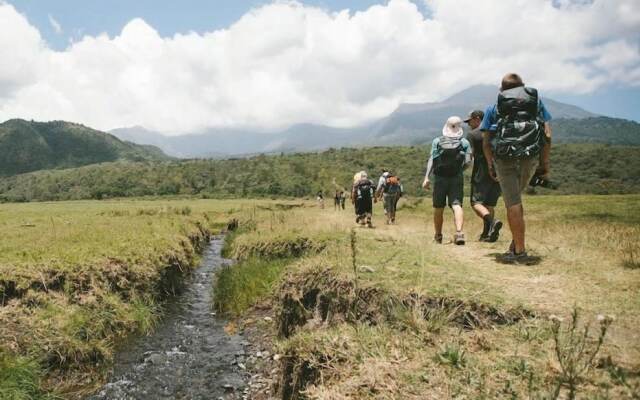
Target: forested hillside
pixel 578 168
pixel 30 146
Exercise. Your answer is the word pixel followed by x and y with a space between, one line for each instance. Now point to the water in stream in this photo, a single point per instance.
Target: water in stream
pixel 189 356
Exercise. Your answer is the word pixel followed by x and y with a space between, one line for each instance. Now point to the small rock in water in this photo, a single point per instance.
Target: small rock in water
pixel 154 358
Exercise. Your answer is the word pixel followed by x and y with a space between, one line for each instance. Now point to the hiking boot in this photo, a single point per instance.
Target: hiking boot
pixel 458 238
pixel 494 232
pixel 483 238
pixel 369 224
pixel 515 258
pixel 438 238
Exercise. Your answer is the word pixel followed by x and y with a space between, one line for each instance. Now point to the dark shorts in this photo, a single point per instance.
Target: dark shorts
pixel 364 206
pixel 485 192
pixel 448 190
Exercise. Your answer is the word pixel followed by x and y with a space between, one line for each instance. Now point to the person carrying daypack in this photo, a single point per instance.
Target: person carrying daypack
pixel 362 195
pixel 450 155
pixel 485 191
pixel 389 191
pixel 517 137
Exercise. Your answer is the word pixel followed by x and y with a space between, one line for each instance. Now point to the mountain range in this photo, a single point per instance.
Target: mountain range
pixel 29 146
pixel 410 123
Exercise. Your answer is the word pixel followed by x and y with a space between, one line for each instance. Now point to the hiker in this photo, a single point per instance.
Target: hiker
pixel 517 136
pixel 399 194
pixel 389 191
pixel 320 198
pixel 336 200
pixel 484 189
pixel 343 198
pixel 450 155
pixel 362 196
pixel 383 177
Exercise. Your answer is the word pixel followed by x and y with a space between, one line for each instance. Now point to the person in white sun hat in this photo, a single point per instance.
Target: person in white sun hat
pixel 450 155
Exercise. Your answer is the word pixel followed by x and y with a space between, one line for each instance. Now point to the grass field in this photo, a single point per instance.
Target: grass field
pixel 362 313
pixel 408 318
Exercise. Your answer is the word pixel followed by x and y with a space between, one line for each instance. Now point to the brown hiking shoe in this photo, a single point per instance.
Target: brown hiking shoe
pixel 458 238
pixel 438 238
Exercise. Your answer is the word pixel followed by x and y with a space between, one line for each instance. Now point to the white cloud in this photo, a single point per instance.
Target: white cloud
pixel 57 28
pixel 286 63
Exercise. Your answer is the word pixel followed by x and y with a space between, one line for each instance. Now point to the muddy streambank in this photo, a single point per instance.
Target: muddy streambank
pixel 189 356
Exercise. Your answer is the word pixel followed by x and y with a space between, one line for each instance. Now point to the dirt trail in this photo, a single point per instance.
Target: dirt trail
pixel 189 356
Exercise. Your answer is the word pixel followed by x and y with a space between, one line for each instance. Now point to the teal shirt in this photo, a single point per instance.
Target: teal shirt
pixel 436 151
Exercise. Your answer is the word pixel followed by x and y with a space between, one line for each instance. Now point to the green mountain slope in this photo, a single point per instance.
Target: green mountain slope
pixel 597 130
pixel 29 146
pixel 578 168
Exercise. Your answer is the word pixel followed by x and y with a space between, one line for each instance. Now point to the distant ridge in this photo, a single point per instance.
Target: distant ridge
pixel 30 146
pixel 409 123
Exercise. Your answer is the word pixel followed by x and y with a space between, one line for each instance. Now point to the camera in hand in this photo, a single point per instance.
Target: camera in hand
pixel 539 180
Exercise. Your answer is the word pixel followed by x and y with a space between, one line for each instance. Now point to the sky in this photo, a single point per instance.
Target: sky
pixel 185 66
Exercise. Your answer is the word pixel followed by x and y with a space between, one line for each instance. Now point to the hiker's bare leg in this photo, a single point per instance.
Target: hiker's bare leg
pixel 438 219
pixel 481 210
pixel 515 215
pixel 458 216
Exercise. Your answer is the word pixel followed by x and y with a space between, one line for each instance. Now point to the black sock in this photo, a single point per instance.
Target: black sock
pixel 487 224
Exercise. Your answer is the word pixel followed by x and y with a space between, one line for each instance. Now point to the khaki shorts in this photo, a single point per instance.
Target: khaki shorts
pixel 514 176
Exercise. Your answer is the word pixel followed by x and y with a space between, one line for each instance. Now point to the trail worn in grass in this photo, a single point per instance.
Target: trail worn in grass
pixel 403 317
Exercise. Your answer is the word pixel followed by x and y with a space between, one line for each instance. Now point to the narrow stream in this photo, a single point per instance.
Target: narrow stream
pixel 189 356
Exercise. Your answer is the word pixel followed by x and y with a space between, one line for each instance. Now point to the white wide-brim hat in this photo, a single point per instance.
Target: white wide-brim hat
pixel 453 127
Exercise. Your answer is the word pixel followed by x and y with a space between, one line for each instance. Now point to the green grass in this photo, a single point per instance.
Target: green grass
pixel 241 286
pixel 20 379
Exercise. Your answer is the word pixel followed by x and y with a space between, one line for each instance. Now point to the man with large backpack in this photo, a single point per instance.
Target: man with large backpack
pixel 517 136
pixel 362 194
pixel 484 189
pixel 450 155
pixel 389 190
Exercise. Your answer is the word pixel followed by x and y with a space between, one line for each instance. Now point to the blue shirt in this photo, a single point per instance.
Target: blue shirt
pixel 491 117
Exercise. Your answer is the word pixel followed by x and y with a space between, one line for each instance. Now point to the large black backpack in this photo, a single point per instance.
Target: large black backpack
pixel 520 130
pixel 364 189
pixel 451 160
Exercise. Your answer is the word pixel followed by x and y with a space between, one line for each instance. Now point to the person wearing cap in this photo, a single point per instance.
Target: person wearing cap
pixel 485 191
pixel 450 155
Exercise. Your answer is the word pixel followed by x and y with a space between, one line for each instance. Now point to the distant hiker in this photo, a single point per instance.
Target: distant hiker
pixel 362 195
pixel 320 198
pixel 484 189
pixel 383 177
pixel 389 191
pixel 343 198
pixel 336 200
pixel 399 194
pixel 517 135
pixel 450 155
